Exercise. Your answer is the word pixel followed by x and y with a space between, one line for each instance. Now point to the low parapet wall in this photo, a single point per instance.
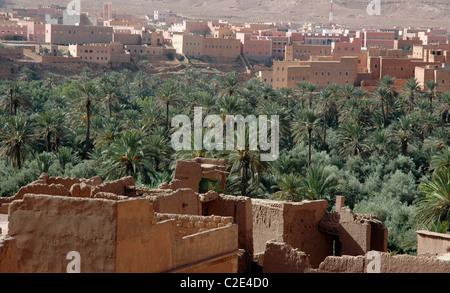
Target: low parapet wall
pixel 387 264
pixel 432 243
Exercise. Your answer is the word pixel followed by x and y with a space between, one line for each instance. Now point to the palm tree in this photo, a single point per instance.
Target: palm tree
pixel 167 93
pixel 353 139
pixel 128 156
pixel 411 89
pixel 404 132
pixel 246 161
pixel 306 122
pixel 435 206
pixel 88 92
pixel 381 140
pixel 230 84
pixel 15 99
pixel 382 94
pixel 318 183
pixel 50 123
pixel 16 139
pixel 109 90
pixel 444 107
pixel 440 160
pixel 431 87
pixel 290 186
pixel 327 105
pixel 440 139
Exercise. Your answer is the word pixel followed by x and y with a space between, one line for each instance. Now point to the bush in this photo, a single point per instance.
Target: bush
pixel 397 217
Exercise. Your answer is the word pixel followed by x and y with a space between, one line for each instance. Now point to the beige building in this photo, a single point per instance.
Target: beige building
pixel 439 74
pixel 321 73
pixel 100 53
pixel 198 45
pixel 59 34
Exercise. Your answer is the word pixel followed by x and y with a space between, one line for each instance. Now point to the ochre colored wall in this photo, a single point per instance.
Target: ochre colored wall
pixel 432 243
pixel 46 228
pixel 388 264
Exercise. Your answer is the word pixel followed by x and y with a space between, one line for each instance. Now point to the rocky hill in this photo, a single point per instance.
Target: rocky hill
pixel 401 13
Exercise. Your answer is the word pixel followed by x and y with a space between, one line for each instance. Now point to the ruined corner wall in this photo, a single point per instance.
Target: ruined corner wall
pixel 46 228
pixel 240 209
pixel 295 223
pixel 115 236
pixel 280 257
pixel 8 255
pixel 181 201
pixel 388 264
pixel 432 243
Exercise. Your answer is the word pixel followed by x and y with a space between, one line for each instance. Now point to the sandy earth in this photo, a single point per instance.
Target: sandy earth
pixel 401 13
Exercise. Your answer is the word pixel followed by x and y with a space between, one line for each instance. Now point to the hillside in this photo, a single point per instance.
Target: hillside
pixel 413 13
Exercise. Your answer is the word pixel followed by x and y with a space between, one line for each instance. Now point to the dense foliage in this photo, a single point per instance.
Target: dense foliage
pixel 386 151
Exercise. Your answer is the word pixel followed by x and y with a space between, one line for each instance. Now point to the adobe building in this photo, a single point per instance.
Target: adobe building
pixel 299 51
pixel 58 34
pixel 322 73
pixel 100 53
pixel 440 75
pixel 189 225
pixel 198 45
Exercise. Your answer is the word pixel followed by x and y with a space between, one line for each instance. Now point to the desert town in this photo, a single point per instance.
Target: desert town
pixel 191 224
pixel 295 53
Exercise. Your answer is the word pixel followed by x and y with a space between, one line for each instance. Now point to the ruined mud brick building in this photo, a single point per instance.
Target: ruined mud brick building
pixel 190 225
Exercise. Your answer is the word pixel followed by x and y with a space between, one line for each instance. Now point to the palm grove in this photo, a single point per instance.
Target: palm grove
pixel 386 151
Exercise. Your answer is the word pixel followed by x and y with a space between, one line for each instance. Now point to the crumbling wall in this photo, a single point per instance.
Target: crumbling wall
pixel 267 222
pixel 189 224
pixel 118 187
pixel 355 234
pixel 388 264
pixel 8 255
pixel 116 235
pixel 189 173
pixel 46 228
pixel 295 223
pixel 180 201
pixel 240 209
pixel 280 257
pixel 432 243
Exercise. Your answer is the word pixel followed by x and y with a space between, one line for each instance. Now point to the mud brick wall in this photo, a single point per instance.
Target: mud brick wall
pixel 295 223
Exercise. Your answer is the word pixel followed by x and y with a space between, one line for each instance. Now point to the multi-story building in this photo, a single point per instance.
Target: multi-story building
pixel 161 15
pixel 299 51
pixel 100 53
pixel 254 46
pixel 279 44
pixel 376 39
pixel 73 34
pixel 198 45
pixel 13 31
pixel 322 73
pixel 433 36
pixel 318 38
pixel 440 75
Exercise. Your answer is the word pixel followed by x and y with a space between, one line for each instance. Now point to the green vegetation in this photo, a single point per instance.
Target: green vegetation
pixel 386 151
